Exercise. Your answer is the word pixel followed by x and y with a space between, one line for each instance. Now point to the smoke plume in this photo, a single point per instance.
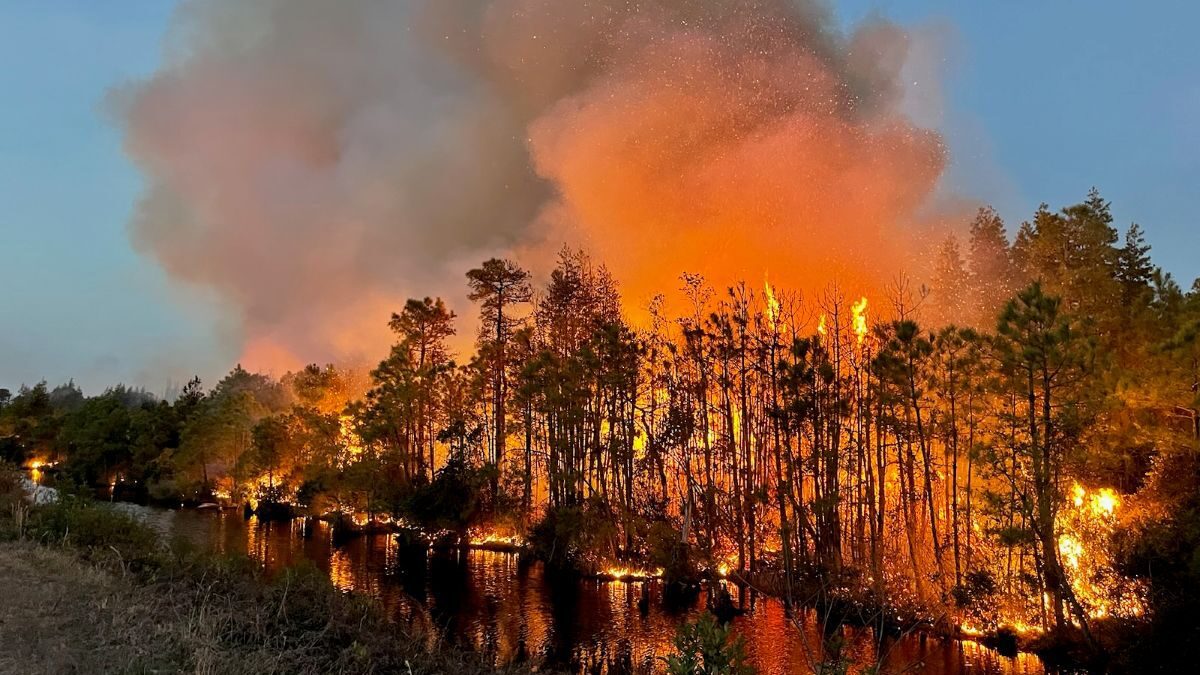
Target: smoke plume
pixel 314 163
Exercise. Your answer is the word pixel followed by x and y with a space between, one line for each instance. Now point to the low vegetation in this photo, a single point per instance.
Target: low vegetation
pixel 91 589
pixel 706 647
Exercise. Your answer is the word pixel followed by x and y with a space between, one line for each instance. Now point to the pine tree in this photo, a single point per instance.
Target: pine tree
pixel 992 277
pixel 500 286
pixel 1044 360
pixel 1134 269
pixel 950 285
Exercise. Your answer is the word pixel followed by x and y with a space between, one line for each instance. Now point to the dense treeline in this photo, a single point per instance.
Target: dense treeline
pixel 1012 443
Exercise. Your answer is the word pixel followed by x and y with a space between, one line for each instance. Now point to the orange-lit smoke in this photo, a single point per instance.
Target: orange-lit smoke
pixel 315 163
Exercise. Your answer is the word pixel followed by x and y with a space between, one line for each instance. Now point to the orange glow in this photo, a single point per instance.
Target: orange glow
pixel 1083 544
pixel 35 469
pixel 630 574
pixel 970 630
pixel 493 538
pixel 1105 502
pixel 859 312
pixel 350 438
pixel 774 312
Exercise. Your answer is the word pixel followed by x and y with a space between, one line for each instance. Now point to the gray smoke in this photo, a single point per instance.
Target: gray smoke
pixel 314 163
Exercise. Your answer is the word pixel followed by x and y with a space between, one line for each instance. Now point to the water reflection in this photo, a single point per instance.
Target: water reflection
pixel 511 612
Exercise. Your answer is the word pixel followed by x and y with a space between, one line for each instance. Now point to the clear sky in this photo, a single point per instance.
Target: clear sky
pixel 1041 100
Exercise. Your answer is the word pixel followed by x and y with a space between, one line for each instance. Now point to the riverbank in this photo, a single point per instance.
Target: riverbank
pixel 491 605
pixel 90 589
pixel 62 613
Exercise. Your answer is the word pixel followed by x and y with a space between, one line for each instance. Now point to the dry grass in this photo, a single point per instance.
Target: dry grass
pixel 86 589
pixel 61 614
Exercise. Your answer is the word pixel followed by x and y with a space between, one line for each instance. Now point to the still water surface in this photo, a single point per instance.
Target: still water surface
pixel 488 602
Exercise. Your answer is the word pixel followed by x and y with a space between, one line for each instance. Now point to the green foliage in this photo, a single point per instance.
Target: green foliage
pixel 557 538
pixel 450 501
pixel 13 509
pixel 1164 552
pixel 29 425
pixel 99 531
pixel 704 647
pixel 666 551
pixel 115 435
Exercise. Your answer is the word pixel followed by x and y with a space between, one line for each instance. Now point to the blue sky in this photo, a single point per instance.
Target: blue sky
pixel 1042 100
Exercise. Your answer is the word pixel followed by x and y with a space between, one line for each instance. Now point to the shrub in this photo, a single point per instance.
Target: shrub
pixel 1163 552
pixel 13 508
pixel 12 491
pixel 666 551
pixel 704 648
pixel 976 597
pixel 555 539
pixel 99 531
pixel 450 501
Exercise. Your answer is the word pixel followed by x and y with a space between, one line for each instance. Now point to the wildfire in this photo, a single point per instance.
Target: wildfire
pixel 349 437
pixel 859 324
pixel 630 574
pixel 35 469
pixel 726 564
pixel 1022 628
pixel 821 325
pixel 1084 532
pixel 493 538
pixel 970 630
pixel 774 312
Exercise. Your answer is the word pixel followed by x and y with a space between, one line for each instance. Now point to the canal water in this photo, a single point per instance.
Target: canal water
pixel 510 612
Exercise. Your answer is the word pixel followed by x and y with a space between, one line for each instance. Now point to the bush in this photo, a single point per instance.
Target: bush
pixel 555 538
pixel 164 491
pixel 569 537
pixel 666 551
pixel 99 531
pixel 12 491
pixel 450 501
pixel 704 648
pixel 1164 553
pixel 976 597
pixel 12 502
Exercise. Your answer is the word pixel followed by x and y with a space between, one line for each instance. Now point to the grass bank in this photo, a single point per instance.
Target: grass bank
pixel 90 589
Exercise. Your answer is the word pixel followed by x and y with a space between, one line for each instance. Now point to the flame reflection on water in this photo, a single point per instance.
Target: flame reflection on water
pixel 488 602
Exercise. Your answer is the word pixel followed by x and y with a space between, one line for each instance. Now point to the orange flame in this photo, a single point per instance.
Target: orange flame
pixel 773 307
pixel 859 310
pixel 1082 533
pixel 350 438
pixel 631 574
